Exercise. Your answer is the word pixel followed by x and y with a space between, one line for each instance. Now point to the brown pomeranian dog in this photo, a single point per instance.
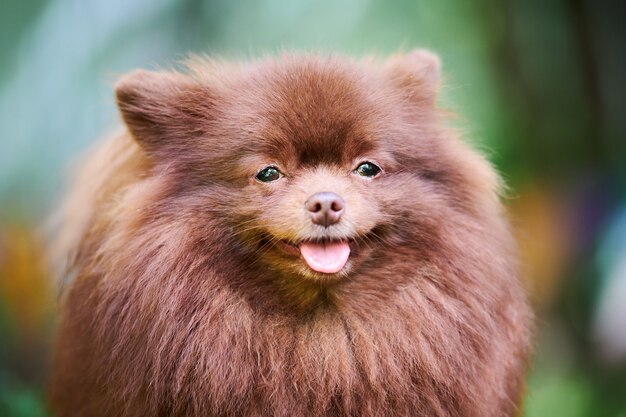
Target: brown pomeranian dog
pixel 296 236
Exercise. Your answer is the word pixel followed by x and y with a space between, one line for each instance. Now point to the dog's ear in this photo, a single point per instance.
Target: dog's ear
pixel 418 73
pixel 163 110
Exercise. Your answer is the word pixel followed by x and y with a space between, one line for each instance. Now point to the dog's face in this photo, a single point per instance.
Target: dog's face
pixel 316 172
pixel 318 166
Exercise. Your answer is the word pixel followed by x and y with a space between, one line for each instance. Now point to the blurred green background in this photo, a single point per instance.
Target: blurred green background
pixel 539 84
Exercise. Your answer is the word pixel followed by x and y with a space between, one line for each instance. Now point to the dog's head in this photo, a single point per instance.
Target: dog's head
pixel 317 165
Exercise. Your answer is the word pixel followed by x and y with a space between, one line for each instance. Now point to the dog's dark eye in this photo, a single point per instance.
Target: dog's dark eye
pixel 268 174
pixel 367 169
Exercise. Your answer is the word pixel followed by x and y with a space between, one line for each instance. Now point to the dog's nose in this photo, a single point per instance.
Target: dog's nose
pixel 325 208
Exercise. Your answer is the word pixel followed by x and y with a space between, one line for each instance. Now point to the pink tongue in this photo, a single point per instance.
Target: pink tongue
pixel 327 257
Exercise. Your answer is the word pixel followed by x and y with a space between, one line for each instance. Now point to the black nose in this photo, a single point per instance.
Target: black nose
pixel 325 208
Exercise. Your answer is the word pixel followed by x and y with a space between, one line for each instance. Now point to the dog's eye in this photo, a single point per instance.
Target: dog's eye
pixel 367 169
pixel 268 174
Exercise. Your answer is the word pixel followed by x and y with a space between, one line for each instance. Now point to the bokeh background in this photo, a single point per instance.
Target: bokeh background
pixel 539 86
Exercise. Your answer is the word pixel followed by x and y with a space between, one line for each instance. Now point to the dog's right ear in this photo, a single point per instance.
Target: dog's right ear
pixel 163 110
pixel 418 73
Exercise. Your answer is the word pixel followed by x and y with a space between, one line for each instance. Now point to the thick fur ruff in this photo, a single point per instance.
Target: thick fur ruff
pixel 181 304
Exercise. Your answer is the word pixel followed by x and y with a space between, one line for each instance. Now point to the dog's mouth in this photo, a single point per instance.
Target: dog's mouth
pixel 330 256
pixel 327 257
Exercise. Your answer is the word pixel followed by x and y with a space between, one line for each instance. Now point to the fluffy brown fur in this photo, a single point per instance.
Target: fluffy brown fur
pixel 183 302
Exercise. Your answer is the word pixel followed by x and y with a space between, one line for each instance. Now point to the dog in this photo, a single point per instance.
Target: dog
pixel 299 235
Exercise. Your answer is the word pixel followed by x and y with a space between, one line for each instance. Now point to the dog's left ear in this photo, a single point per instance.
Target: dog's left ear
pixel 164 111
pixel 418 73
